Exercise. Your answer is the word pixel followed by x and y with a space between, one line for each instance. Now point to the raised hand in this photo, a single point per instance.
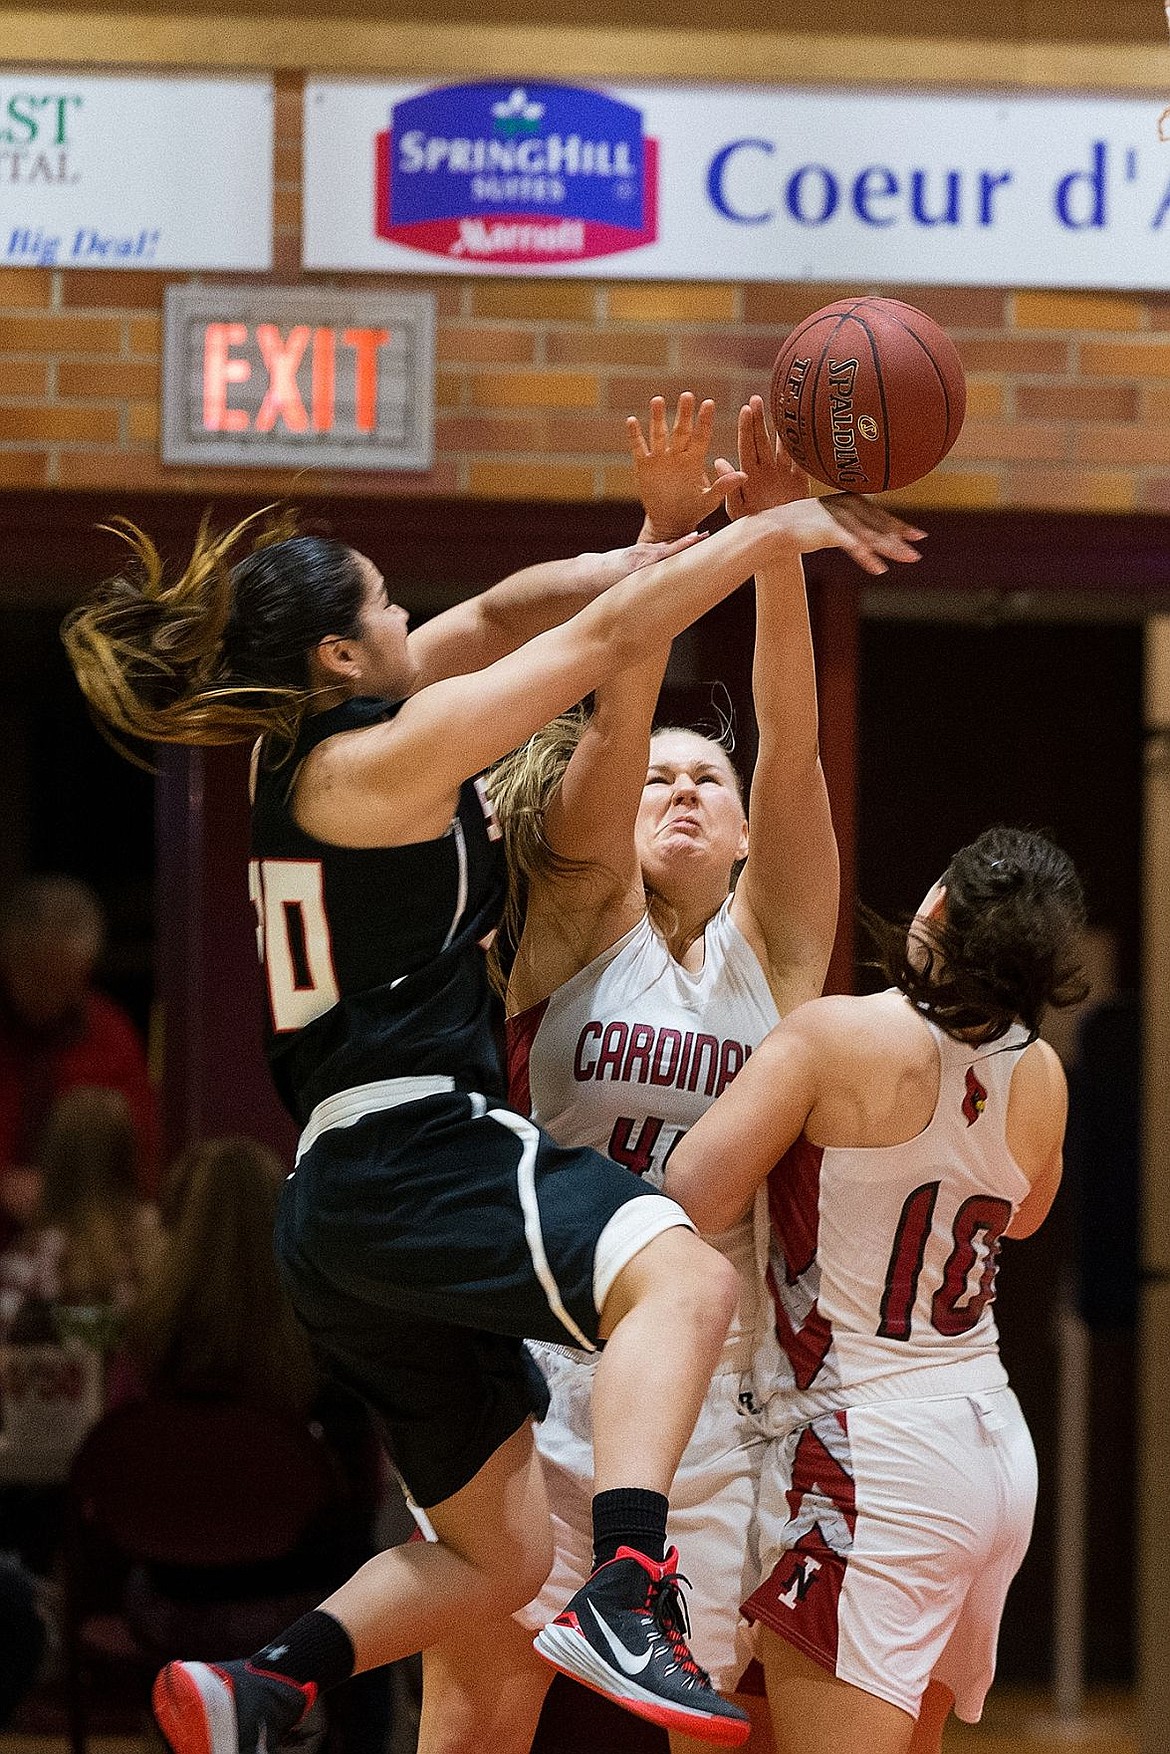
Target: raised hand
pixel 767 476
pixel 866 532
pixel 670 467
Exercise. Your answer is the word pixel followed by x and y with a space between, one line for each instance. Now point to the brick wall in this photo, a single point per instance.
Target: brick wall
pixel 1069 399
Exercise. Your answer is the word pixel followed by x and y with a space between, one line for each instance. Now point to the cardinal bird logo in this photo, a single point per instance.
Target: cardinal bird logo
pixel 975 1100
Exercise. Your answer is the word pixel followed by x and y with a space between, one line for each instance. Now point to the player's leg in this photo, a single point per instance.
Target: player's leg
pixel 713 1512
pixel 932 1717
pixel 813 1712
pixel 492 1555
pixel 664 1320
pixel 664 1317
pixel 483 1689
pixel 493 1551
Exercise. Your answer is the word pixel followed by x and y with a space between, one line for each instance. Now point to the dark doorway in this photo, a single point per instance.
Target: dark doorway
pixel 1036 724
pixel 71 803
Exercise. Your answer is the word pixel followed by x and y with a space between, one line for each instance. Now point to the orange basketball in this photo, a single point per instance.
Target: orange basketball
pixel 868 394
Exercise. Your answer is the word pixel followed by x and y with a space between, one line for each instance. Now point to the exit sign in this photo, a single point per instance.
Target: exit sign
pixel 275 376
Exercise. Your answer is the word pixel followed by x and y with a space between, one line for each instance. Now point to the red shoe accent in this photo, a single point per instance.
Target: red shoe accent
pixel 657 1569
pixel 568 1618
pixel 178 1709
pixel 723 1732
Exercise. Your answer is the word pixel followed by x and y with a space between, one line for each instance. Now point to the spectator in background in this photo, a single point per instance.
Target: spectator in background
pixel 214 1322
pixel 70 1275
pixel 213 1319
pixel 91 1237
pixel 57 1031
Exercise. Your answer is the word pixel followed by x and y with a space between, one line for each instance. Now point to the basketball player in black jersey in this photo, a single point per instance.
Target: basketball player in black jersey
pixel 427 1228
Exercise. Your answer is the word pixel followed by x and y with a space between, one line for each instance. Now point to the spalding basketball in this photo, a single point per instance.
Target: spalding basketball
pixel 868 394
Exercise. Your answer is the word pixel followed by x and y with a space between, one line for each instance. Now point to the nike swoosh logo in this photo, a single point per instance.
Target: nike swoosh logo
pixel 626 1660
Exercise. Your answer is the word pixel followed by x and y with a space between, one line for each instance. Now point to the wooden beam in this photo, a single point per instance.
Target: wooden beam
pixel 49 36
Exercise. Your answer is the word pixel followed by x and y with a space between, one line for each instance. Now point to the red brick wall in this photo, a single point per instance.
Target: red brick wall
pixel 1068 408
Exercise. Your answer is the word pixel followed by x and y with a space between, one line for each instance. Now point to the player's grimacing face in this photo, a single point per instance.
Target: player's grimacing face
pixel 691 808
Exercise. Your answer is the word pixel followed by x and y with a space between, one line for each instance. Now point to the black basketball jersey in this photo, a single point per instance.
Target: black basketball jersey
pixel 372 954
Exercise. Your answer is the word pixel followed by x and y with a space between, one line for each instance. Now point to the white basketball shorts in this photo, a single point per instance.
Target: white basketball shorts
pixel 889 1534
pixel 712 1509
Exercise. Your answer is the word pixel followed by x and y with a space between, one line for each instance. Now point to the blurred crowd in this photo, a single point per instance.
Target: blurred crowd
pixel 123 1281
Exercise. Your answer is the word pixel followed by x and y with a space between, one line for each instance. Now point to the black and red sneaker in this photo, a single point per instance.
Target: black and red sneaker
pixel 227 1708
pixel 625 1634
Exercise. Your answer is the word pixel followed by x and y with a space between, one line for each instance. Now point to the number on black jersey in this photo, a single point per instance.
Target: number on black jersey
pixel 292 935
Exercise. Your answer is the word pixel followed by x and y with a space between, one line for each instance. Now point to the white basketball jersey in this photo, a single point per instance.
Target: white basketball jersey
pixel 629 1052
pixel 883 1260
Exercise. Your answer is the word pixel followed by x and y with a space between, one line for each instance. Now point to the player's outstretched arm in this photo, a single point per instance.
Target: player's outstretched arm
pixel 591 821
pixel 677 493
pixel 786 899
pixel 454 729
pixel 487 627
pixel 714 1170
pixel 583 900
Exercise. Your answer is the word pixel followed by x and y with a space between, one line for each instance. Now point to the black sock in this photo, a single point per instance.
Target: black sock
pixel 314 1648
pixel 629 1517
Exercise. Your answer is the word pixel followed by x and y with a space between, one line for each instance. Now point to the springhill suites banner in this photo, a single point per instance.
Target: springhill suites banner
pixel 720 183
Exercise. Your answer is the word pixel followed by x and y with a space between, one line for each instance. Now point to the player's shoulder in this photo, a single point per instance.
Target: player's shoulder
pixel 819 1031
pixel 1039 1075
pixel 848 1017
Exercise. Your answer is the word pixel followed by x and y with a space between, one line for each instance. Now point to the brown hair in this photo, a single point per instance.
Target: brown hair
pixel 86 1155
pixel 220 653
pixel 1007 946
pixel 214 1318
pixel 56 907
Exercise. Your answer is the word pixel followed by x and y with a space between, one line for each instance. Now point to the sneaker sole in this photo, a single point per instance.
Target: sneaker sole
pixel 572 1655
pixel 195 1709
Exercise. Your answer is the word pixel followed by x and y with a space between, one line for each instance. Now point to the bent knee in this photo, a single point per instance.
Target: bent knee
pixel 710 1282
pixel 679 1274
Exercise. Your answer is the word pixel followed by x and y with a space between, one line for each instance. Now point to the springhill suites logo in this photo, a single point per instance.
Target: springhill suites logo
pixel 516 176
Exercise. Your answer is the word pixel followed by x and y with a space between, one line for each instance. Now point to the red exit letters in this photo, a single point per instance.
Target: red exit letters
pixel 306 361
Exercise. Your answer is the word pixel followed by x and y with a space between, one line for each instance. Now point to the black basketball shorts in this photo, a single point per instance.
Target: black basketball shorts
pixel 424 1234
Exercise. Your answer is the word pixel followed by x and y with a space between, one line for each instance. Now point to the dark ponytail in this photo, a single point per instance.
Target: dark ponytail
pixel 219 654
pixel 1007 945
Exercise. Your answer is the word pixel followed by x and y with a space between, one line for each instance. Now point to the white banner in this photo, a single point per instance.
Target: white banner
pixel 109 172
pixel 736 184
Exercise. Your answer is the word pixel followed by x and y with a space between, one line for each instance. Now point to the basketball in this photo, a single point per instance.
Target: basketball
pixel 868 394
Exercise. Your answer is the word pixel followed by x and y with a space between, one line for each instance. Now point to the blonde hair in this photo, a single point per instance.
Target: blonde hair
pixel 86 1155
pixel 214 1318
pixel 521 788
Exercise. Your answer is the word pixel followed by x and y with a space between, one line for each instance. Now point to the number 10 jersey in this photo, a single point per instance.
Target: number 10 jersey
pixel 883 1259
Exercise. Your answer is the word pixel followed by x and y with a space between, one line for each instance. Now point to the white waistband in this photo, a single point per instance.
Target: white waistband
pixel 348 1106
